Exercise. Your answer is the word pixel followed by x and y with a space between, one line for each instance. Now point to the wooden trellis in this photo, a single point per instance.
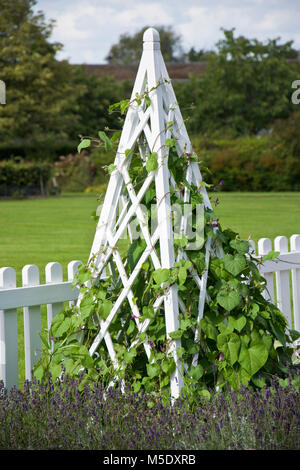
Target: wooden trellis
pixel 148 126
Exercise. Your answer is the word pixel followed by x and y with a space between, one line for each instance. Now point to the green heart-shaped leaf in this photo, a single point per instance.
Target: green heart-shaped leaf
pixel 238 323
pixel 105 308
pixel 234 264
pixel 130 355
pixel 62 328
pixel 254 357
pixel 228 299
pixel 87 306
pixel 153 370
pixel 83 144
pixel 161 275
pixel 230 346
pixel 196 372
pixel 209 328
pixel 55 370
pixel 241 246
pixel 151 163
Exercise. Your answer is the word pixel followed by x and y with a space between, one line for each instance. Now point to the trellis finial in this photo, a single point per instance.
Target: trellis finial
pixel 151 39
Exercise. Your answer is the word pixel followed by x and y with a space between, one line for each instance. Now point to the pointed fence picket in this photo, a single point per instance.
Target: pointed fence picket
pixel 283 289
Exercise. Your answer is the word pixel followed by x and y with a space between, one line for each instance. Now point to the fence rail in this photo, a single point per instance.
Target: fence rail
pixel 283 289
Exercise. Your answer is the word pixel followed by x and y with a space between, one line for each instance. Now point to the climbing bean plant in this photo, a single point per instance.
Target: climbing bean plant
pixel 243 338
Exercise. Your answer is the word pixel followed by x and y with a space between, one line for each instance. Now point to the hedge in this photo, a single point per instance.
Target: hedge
pixel 19 178
pixel 249 164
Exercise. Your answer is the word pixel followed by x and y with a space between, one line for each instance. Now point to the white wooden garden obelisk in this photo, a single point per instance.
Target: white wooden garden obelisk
pixel 152 122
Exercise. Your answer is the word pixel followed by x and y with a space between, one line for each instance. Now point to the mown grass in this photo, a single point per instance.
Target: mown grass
pixel 61 229
pixel 258 215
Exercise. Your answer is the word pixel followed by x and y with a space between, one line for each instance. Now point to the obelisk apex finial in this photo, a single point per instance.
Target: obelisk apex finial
pixel 151 39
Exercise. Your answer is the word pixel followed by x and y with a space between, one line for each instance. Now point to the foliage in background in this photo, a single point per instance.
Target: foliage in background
pixel 49 103
pixel 77 172
pixel 129 48
pixel 19 178
pixel 40 90
pixel 263 163
pixel 253 163
pixel 286 138
pixel 93 103
pixel 57 416
pixel 246 86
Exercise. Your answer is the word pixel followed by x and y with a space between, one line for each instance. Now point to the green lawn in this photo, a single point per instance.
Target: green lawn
pixel 39 231
pixel 259 215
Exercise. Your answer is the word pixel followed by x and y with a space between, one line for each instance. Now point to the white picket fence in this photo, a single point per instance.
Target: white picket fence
pixel 30 297
pixel 283 288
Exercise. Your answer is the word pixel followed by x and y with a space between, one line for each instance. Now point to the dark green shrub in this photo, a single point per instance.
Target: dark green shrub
pixel 266 163
pixel 19 178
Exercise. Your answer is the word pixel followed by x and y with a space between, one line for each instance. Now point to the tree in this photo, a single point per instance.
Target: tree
pixel 40 92
pixel 246 85
pixel 93 103
pixel 197 56
pixel 128 49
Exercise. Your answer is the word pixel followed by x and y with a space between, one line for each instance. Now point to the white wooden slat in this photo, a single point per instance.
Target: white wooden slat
pixel 202 298
pixel 116 182
pixel 38 295
pixel 264 247
pixel 9 369
pixel 54 275
pixel 162 183
pixel 32 322
pixel 186 200
pixel 139 128
pixel 72 269
pixel 130 297
pixel 282 281
pixel 295 246
pixel 141 218
pixel 284 262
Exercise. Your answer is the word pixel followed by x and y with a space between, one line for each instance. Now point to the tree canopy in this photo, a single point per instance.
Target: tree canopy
pixel 40 92
pixel 246 85
pixel 129 48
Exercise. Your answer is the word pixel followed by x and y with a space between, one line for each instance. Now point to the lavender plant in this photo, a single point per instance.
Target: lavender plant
pixel 56 415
